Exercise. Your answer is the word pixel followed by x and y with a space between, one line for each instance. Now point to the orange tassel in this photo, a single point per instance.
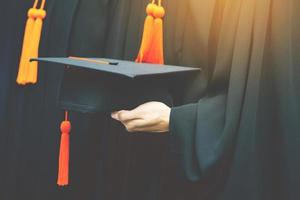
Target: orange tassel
pixel 156 52
pixel 27 70
pixel 25 55
pixel 35 41
pixel 64 152
pixel 147 33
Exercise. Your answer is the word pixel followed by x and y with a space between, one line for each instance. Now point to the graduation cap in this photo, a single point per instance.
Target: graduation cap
pixel 102 85
pixel 93 85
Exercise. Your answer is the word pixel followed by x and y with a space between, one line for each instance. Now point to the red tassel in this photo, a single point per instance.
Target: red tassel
pixel 156 52
pixel 63 168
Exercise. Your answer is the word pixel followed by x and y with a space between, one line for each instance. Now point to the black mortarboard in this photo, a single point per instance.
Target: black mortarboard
pixel 96 84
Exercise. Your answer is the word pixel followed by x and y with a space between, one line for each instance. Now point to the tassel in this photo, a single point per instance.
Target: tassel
pixel 156 52
pixel 147 33
pixel 63 169
pixel 28 71
pixel 35 41
pixel 25 55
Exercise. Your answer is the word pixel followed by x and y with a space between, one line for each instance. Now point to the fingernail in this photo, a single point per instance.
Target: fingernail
pixel 114 115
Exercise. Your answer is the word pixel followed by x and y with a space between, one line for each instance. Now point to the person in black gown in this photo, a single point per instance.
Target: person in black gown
pixel 238 139
pixel 233 131
pixel 106 161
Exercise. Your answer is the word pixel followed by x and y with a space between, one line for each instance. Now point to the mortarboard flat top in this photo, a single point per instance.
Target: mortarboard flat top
pixel 119 67
pixel 92 85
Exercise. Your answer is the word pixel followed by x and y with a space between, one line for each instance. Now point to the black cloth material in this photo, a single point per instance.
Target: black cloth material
pixel 88 86
pixel 242 112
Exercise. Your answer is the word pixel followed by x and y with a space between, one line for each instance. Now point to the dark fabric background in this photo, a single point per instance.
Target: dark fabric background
pixel 241 138
pixel 260 98
pixel 106 161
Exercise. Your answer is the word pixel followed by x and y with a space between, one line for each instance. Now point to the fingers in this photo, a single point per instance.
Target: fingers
pixel 134 125
pixel 148 117
pixel 143 125
pixel 125 115
pixel 115 115
pixel 152 129
pixel 139 125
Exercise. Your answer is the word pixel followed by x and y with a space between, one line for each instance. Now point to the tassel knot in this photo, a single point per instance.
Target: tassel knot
pixel 32 13
pixel 150 8
pixel 65 127
pixel 40 13
pixel 159 12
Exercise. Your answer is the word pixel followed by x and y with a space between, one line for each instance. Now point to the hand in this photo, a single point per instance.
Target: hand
pixel 149 117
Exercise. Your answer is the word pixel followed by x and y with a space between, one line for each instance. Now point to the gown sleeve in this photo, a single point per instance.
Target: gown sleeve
pixel 204 134
pixel 196 130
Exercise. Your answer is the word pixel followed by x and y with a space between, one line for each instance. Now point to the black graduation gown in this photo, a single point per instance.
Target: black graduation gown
pixel 10 134
pixel 260 160
pixel 106 162
pixel 239 140
pixel 234 128
pixel 32 141
pixel 128 166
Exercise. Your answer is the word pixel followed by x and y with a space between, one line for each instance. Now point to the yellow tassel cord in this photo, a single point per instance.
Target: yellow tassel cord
pixel 28 71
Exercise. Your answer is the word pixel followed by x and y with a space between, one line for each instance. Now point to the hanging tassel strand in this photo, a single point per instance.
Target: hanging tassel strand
pixel 151 50
pixel 28 71
pixel 64 152
pixel 147 33
pixel 156 53
pixel 36 36
pixel 25 55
